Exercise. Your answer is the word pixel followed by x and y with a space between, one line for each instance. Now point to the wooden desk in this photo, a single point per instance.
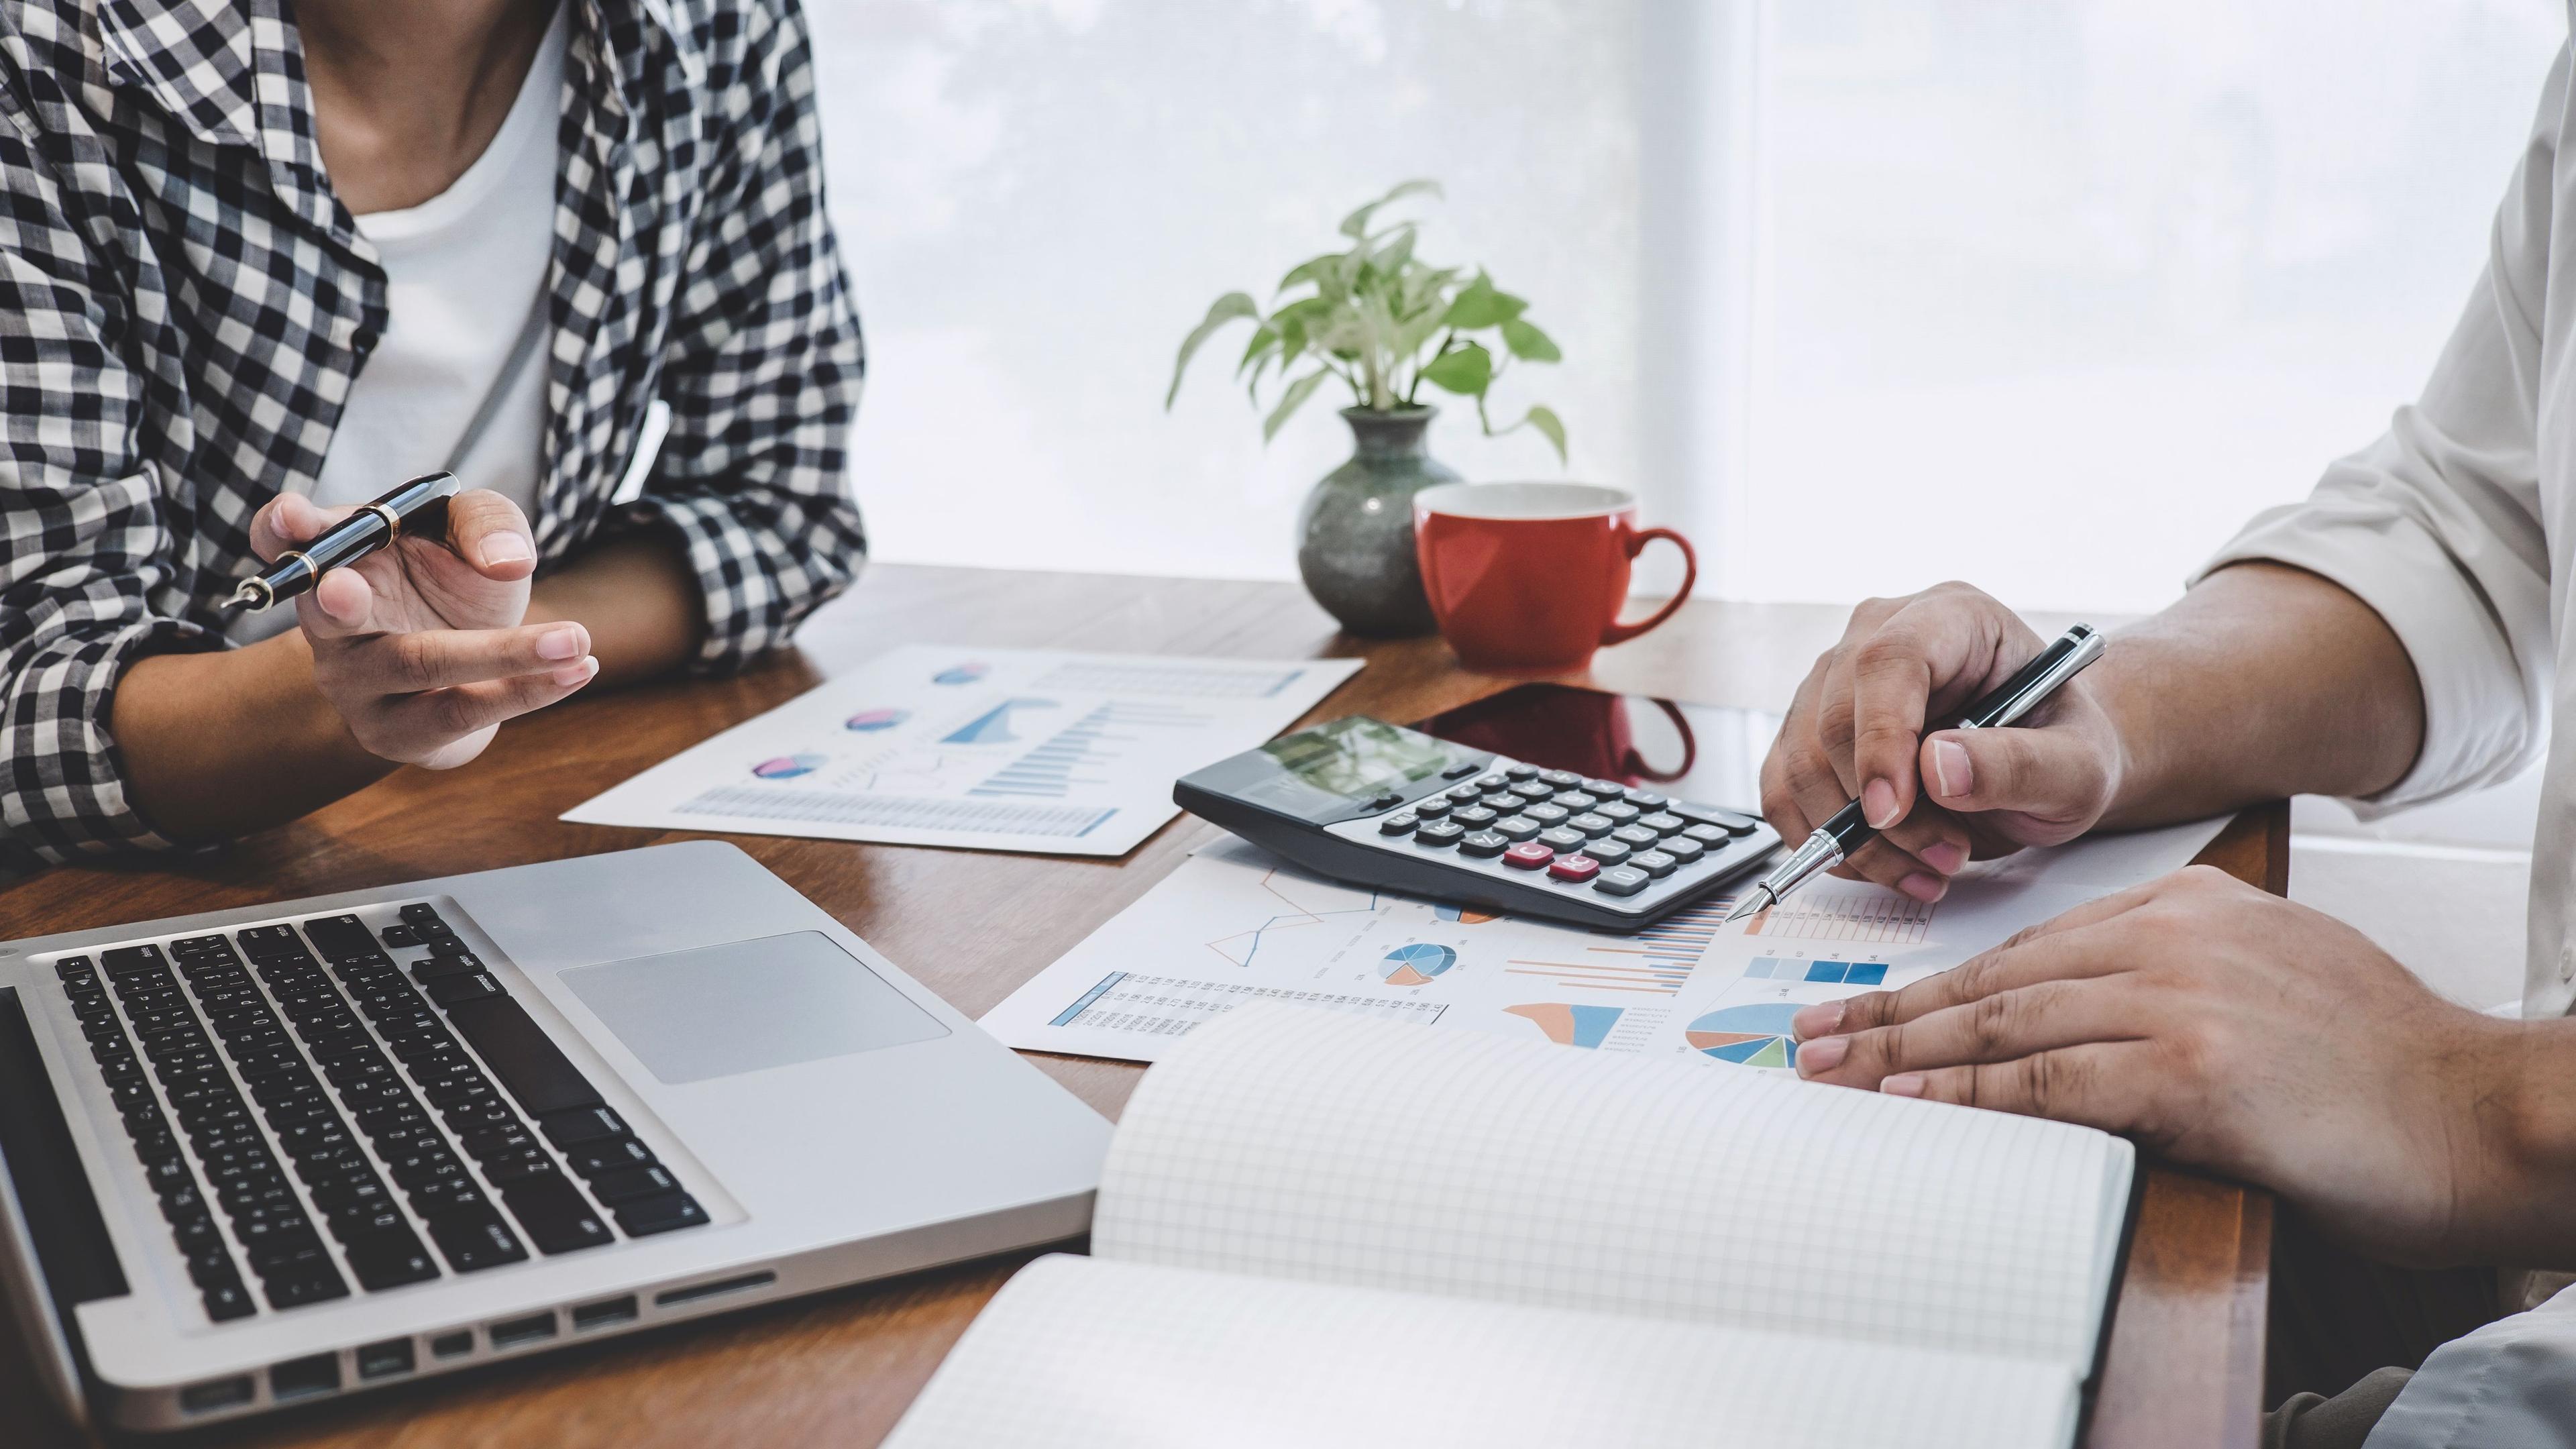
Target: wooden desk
pixel 2185 1358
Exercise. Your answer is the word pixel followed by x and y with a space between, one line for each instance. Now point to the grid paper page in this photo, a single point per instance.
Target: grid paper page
pixel 1082 1352
pixel 1310 1145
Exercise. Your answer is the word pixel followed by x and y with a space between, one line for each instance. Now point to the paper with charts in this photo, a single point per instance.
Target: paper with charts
pixel 992 749
pixel 1235 925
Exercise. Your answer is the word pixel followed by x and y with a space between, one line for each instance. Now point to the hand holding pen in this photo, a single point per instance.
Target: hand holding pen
pixel 416 632
pixel 1868 725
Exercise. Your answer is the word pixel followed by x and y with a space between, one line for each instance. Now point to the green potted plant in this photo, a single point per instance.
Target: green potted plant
pixel 1384 322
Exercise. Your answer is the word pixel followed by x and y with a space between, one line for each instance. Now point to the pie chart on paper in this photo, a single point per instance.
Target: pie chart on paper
pixel 1753 1036
pixel 788 767
pixel 1415 965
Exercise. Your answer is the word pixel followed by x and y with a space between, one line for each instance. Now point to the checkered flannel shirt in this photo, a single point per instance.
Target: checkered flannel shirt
pixel 184 303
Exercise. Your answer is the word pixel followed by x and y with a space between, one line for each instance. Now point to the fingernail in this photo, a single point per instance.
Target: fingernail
pixel 1945 857
pixel 581 673
pixel 1878 804
pixel 563 643
pixel 1951 775
pixel 1924 888
pixel 501 548
pixel 1822 1055
pixel 1820 1020
pixel 1903 1084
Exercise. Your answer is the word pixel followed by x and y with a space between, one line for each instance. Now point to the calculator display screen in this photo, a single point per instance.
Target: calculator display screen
pixel 1356 757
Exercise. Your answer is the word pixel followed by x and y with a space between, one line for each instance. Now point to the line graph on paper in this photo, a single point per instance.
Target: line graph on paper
pixel 1656 960
pixel 1815 915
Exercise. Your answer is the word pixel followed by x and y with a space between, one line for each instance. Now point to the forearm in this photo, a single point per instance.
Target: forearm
pixel 222 744
pixel 2517 1159
pixel 2262 682
pixel 643 606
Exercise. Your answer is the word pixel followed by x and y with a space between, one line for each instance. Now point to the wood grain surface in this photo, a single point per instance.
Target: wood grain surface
pixel 2184 1362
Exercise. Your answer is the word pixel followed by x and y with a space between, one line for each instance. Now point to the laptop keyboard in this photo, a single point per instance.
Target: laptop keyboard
pixel 302 1090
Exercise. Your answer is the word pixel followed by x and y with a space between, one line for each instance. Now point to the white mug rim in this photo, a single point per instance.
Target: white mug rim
pixel 1606 501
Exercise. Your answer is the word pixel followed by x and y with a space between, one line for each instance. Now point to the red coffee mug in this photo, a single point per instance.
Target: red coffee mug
pixel 1528 578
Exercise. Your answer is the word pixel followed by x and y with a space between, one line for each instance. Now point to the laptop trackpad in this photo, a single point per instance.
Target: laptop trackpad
pixel 747 1006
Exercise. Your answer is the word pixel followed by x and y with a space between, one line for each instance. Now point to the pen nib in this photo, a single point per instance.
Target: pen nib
pixel 1757 899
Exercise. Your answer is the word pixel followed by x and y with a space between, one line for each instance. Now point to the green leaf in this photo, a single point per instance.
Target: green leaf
pixel 1313 269
pixel 1290 401
pixel 1467 370
pixel 1356 224
pixel 1225 309
pixel 1546 421
pixel 1265 339
pixel 1530 345
pixel 1478 305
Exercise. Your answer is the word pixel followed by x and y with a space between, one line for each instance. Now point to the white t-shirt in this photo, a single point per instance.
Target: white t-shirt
pixel 462 270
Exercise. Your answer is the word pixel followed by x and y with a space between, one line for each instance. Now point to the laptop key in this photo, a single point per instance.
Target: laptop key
pixel 589 1124
pixel 534 1070
pixel 229 1300
pixel 590 1159
pixel 475 1239
pixel 317 1285
pixel 554 1215
pixel 450 990
pixel 660 1214
pixel 389 1259
pixel 628 1184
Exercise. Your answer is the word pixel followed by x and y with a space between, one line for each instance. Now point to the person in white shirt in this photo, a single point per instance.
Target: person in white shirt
pixel 2396 637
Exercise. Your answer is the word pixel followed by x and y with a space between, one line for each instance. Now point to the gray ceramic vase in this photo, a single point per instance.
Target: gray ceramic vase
pixel 1355 534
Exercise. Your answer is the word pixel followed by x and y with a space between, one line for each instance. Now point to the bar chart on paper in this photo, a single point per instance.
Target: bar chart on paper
pixel 996 749
pixel 1816 914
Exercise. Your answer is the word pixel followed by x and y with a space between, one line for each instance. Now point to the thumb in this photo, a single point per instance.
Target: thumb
pixel 489 532
pixel 2053 774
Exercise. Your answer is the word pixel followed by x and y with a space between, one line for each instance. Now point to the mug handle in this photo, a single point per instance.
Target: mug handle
pixel 1618 633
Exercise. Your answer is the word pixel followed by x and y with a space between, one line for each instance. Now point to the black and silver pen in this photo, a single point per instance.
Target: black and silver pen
pixel 418 507
pixel 1835 840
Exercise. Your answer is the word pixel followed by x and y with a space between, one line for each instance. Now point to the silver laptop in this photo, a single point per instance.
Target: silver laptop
pixel 264 1156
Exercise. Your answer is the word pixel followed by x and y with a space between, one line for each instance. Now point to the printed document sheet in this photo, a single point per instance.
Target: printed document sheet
pixel 992 749
pixel 1235 925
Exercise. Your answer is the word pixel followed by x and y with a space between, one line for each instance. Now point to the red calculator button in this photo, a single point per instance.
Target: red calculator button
pixel 1529 855
pixel 1576 868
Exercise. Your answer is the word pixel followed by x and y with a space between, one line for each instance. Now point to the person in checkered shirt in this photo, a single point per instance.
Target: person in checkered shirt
pixel 257 263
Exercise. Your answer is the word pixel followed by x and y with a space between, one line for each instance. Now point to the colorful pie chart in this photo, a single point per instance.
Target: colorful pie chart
pixel 1416 964
pixel 961 674
pixel 868 721
pixel 1752 1036
pixel 788 767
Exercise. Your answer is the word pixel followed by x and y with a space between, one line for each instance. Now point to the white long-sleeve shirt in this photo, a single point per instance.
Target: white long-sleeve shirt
pixel 2459 527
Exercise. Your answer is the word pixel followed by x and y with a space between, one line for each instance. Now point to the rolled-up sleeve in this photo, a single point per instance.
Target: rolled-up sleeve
pixel 764 367
pixel 2437 525
pixel 87 543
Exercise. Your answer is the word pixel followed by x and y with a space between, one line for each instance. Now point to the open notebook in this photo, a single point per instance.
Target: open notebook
pixel 1316 1229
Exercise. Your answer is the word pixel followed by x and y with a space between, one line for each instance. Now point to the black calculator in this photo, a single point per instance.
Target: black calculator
pixel 1381 805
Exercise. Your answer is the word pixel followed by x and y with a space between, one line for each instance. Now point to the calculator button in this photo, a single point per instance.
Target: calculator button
pixel 1437 833
pixel 1592 824
pixel 1397 823
pixel 1533 789
pixel 1482 844
pixel 1516 827
pixel 1528 855
pixel 1474 817
pixel 1386 800
pixel 1621 880
pixel 1460 770
pixel 1522 772
pixel 1432 809
pixel 1664 822
pixel 1464 793
pixel 1654 863
pixel 1733 822
pixel 1608 852
pixel 1575 868
pixel 1606 789
pixel 1683 849
pixel 1647 800
pixel 1493 781
pixel 1574 799
pixel 1561 779
pixel 1546 814
pixel 1708 835
pixel 1503 800
pixel 1636 835
pixel 1563 837
pixel 1619 812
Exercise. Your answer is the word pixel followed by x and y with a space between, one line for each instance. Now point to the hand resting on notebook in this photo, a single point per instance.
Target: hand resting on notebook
pixel 2234 1030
